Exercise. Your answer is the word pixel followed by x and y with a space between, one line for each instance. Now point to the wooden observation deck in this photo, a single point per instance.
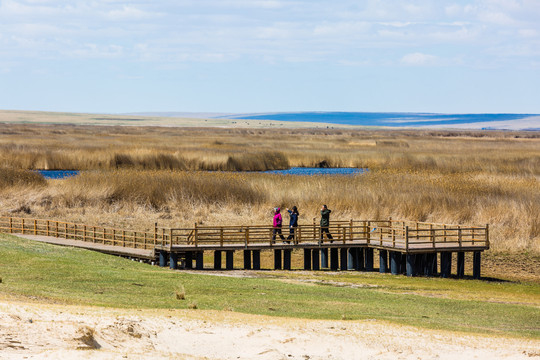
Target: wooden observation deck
pixel 412 247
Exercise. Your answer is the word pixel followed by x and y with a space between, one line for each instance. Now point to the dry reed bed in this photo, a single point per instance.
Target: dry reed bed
pixel 139 198
pixel 453 177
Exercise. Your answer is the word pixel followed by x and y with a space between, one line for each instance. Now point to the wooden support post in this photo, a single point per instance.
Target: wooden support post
pixel 11 225
pixel 287 259
pixel 428 264
pixel 351 254
pixel 315 263
pixel 360 257
pixel 229 261
pixel 324 258
pixel 199 261
pixel 395 262
pixel 247 260
pixel 344 259
pixel 477 264
pixel 419 264
pixel 162 258
pixel 307 259
pixel 403 263
pixel 446 264
pixel 383 261
pixel 411 258
pixel 334 259
pixel 84 231
pixel 460 271
pixel 368 259
pixel 217 260
pixel 460 236
pixel 256 259
pixel 47 227
pixel 189 260
pixel 277 259
pixel 35 227
pixel 173 260
pixel 22 225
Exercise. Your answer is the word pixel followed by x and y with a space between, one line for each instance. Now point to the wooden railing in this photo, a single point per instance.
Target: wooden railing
pixel 147 240
pixel 390 234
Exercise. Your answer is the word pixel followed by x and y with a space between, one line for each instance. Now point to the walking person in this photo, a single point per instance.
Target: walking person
pixel 277 223
pixel 293 222
pixel 325 222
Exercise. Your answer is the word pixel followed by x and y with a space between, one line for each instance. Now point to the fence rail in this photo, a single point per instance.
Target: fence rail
pixel 401 235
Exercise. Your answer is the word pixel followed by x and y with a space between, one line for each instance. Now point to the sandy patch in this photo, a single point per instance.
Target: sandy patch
pixel 46 331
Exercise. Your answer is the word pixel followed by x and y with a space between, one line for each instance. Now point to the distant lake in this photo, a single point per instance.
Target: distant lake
pixel 58 174
pixel 301 171
pixel 398 119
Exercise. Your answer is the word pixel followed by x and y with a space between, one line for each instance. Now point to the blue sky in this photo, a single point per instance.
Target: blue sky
pixel 461 56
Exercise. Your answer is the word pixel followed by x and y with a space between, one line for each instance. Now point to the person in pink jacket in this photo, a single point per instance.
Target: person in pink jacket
pixel 277 223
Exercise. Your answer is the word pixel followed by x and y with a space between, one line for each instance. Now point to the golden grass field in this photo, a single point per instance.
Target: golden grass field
pixel 137 175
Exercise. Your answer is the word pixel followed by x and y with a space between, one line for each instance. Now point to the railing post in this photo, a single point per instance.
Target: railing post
pixel 11 225
pixel 22 222
pixel 351 230
pixel 171 239
pixel 444 227
pixel 124 238
pixel 459 236
pixel 35 227
pixel 144 240
pixel 196 235
pixel 47 227
pixel 75 231
pixel 93 234
pixel 84 233
pixel 65 230
pixel 487 236
pixel 247 236
pixel 368 232
pixel 394 238
pixel 407 238
pixel 56 225
pixel 472 236
pixel 221 237
pixel 432 233
pixel 155 234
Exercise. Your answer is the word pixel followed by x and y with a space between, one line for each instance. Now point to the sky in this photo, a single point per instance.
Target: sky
pixel 108 56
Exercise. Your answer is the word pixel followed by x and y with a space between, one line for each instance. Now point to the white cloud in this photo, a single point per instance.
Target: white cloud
pixel 301 30
pixel 418 59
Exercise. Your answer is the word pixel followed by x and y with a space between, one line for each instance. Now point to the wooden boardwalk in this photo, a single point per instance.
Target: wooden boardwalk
pixel 412 246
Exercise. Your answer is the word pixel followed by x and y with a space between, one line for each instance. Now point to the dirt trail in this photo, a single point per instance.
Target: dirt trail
pixel 49 331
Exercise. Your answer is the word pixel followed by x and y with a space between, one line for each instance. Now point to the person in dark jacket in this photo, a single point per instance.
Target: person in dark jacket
pixel 277 223
pixel 293 222
pixel 325 222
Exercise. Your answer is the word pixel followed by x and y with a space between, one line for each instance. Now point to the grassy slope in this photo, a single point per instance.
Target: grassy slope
pixel 78 276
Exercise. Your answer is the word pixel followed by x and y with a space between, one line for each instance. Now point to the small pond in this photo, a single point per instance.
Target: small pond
pixel 62 174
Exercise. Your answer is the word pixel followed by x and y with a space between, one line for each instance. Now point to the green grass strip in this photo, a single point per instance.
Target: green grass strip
pixel 77 276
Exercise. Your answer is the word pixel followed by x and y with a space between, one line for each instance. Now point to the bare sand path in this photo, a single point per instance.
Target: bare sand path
pixel 50 331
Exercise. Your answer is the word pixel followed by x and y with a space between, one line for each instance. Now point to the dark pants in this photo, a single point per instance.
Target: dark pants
pixel 277 231
pixel 325 230
pixel 291 235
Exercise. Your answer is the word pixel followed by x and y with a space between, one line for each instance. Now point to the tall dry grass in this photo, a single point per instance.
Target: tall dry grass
pixel 138 176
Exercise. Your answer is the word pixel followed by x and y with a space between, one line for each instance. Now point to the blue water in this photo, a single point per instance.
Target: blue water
pixel 57 174
pixel 62 174
pixel 317 171
pixel 381 119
